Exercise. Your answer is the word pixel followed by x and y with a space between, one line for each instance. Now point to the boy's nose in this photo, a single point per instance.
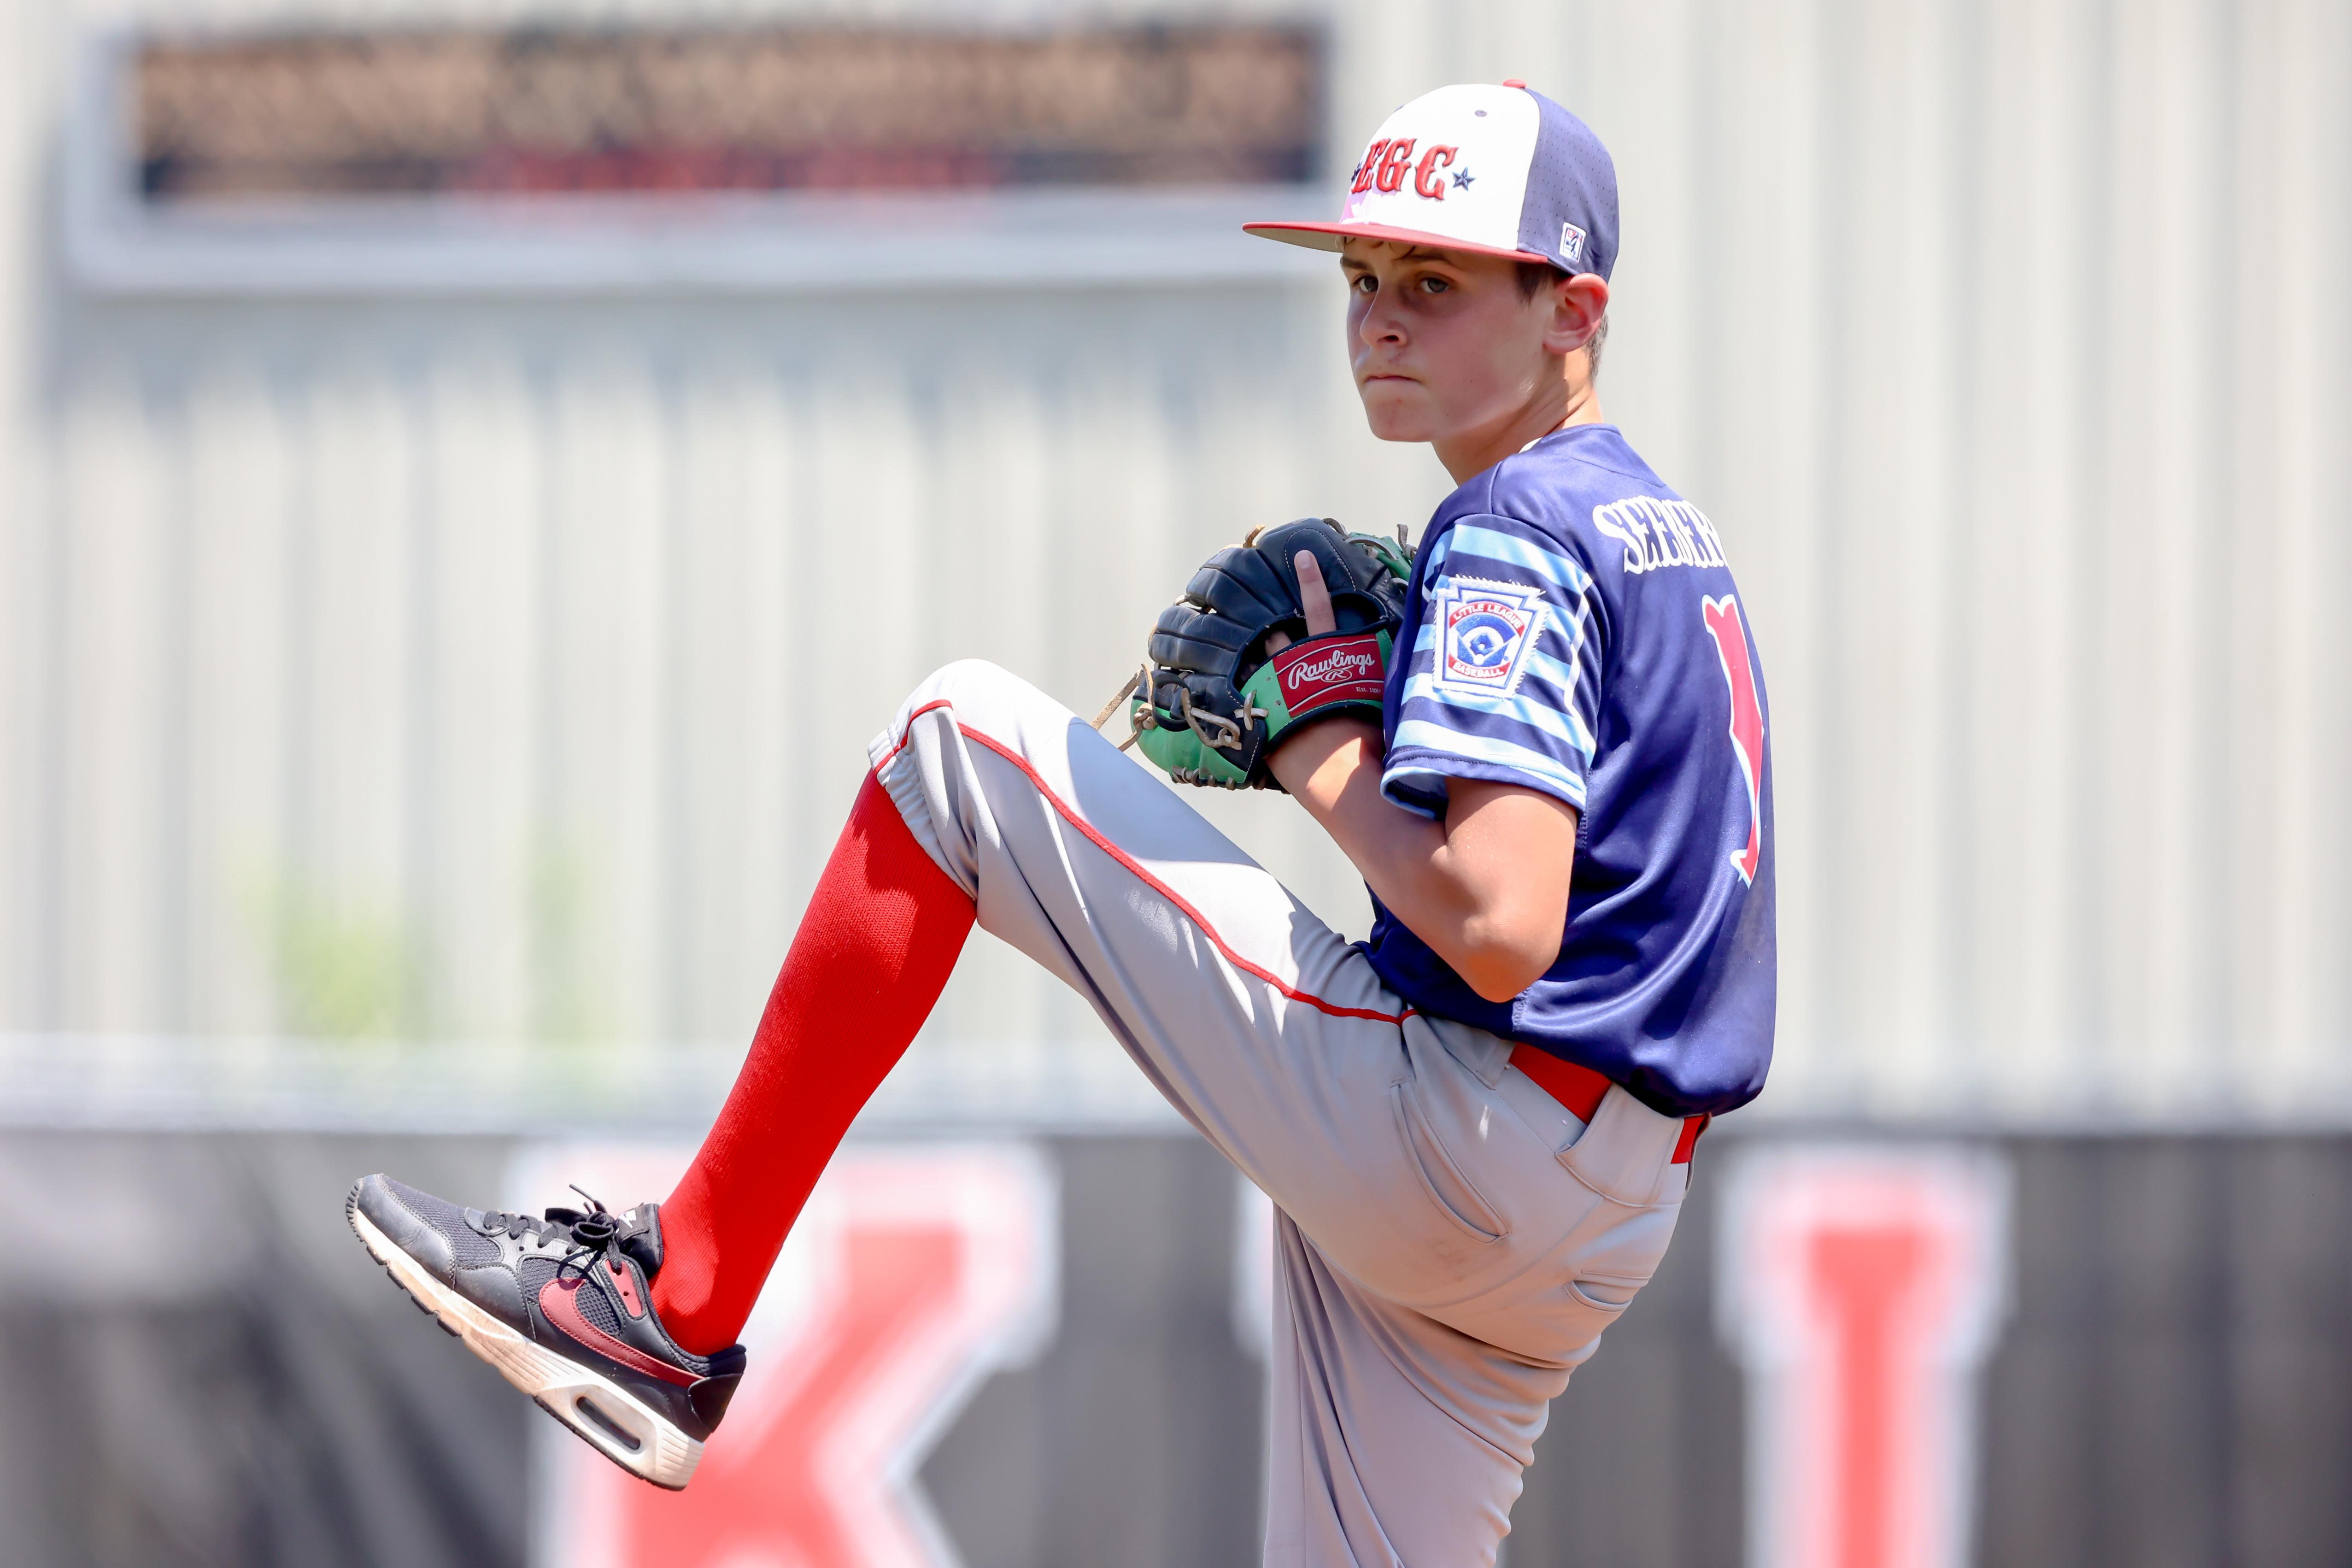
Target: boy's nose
pixel 1380 325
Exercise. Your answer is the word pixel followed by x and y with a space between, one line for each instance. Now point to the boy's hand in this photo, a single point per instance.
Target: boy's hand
pixel 1314 602
pixel 1290 629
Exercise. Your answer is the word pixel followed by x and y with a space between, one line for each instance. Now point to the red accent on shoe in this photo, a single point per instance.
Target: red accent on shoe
pixel 555 1300
pixel 874 948
pixel 626 1283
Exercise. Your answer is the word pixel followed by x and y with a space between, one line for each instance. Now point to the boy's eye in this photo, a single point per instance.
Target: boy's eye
pixel 1436 285
pixel 1364 283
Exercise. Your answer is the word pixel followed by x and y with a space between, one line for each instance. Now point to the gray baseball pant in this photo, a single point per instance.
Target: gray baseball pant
pixel 1451 1240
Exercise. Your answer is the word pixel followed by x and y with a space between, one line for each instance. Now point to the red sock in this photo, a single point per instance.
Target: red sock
pixel 875 947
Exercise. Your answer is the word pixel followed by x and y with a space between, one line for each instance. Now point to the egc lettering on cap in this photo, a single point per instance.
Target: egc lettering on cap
pixel 1496 171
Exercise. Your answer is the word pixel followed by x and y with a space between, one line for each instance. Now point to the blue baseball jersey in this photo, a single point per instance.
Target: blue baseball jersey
pixel 1573 627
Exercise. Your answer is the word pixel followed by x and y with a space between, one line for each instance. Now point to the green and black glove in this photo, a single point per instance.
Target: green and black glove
pixel 1216 702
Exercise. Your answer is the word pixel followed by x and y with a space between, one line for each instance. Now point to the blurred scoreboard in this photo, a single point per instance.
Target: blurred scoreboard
pixel 771 107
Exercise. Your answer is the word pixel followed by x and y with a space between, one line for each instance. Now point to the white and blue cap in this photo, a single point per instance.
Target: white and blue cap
pixel 1498 171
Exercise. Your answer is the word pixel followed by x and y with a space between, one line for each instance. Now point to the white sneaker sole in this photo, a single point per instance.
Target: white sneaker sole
pixel 613 1421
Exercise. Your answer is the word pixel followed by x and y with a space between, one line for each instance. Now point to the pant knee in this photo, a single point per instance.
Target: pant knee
pixel 974 694
pixel 967 680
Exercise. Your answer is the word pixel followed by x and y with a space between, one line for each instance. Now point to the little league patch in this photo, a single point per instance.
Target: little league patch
pixel 1485 630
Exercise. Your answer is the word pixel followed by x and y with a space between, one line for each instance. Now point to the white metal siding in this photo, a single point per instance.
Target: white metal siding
pixel 2002 341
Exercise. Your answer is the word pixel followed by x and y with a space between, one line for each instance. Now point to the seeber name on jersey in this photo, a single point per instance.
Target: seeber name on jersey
pixel 1660 534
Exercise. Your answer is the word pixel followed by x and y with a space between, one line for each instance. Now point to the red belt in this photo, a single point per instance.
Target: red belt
pixel 1582 1090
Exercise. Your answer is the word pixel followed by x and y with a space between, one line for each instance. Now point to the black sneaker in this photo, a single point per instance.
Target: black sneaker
pixel 563 1306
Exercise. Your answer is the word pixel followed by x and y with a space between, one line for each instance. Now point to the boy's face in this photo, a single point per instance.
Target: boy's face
pixel 1442 343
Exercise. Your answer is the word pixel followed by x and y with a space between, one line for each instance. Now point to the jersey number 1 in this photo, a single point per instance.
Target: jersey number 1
pixel 1723 623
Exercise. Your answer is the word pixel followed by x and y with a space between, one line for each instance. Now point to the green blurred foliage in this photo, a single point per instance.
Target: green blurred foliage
pixel 341 972
pixel 344 969
pixel 566 1000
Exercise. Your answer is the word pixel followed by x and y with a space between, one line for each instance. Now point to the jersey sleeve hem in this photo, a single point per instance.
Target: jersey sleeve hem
pixel 1415 777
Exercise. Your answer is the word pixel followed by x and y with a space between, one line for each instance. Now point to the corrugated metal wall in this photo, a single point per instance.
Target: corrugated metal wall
pixel 533 650
pixel 499 666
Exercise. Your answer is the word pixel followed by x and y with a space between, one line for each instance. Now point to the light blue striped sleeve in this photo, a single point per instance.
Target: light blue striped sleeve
pixel 1503 677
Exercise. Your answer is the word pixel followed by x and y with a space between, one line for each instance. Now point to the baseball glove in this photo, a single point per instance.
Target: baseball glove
pixel 1211 703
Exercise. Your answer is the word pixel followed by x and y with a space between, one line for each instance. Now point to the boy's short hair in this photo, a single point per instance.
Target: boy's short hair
pixel 1535 276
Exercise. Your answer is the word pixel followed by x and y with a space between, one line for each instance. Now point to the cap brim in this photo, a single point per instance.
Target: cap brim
pixel 1330 236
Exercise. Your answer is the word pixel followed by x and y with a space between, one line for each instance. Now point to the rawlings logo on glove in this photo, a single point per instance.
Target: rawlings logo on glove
pixel 1353 669
pixel 1214 700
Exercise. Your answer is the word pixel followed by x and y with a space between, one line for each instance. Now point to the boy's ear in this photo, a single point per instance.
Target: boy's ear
pixel 1578 305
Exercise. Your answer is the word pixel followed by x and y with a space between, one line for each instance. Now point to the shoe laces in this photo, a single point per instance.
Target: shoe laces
pixel 592 1232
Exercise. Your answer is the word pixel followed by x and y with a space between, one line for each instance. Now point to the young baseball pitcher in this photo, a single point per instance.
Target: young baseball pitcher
pixel 1541 740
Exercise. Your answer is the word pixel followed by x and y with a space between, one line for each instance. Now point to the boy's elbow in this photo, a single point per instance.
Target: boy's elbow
pixel 1501 964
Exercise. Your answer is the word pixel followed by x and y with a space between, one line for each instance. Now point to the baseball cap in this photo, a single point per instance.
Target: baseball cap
pixel 1500 170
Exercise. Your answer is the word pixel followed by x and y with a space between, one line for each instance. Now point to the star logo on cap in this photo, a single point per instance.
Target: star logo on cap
pixel 1460 179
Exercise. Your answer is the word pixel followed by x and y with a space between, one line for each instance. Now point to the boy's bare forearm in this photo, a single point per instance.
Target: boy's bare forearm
pixel 1486 888
pixel 1334 771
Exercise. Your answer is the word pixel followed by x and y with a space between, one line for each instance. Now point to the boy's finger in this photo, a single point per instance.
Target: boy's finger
pixel 1314 595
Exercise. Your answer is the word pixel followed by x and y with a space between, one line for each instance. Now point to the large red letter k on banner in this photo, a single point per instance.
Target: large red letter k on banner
pixel 1860 1289
pixel 910 1275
